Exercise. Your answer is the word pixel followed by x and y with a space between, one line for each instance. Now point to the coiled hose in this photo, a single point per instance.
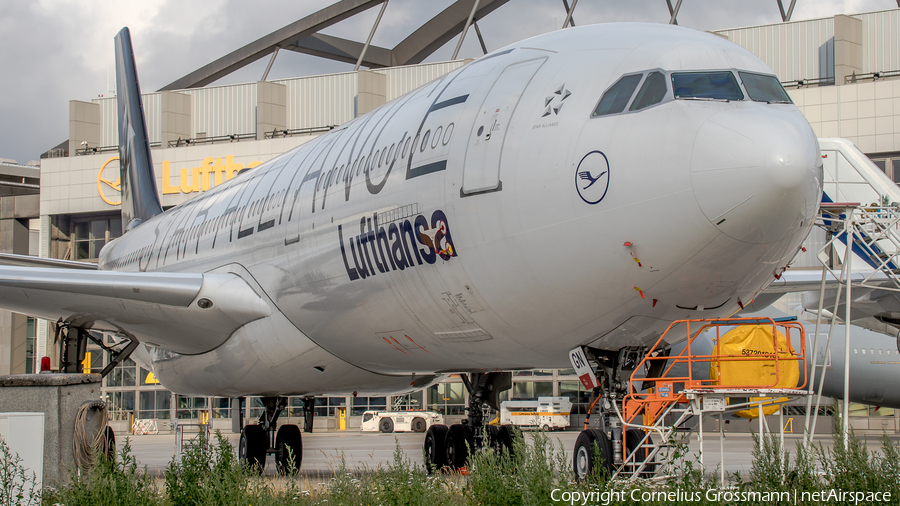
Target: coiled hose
pixel 84 443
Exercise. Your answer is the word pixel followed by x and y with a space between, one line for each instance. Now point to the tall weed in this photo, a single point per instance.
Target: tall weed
pixel 110 482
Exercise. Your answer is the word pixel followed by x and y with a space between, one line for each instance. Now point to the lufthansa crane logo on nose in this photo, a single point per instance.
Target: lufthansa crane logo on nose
pixel 110 184
pixel 592 177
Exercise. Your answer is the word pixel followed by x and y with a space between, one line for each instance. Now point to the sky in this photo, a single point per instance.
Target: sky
pixel 53 51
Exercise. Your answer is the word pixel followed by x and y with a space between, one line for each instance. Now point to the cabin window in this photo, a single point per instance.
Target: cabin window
pixel 763 88
pixel 425 141
pixel 437 137
pixel 367 417
pixel 616 98
pixel 706 86
pixel 447 134
pixel 652 92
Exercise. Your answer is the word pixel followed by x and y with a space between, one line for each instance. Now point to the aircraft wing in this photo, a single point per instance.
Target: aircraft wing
pixel 158 309
pixel 30 261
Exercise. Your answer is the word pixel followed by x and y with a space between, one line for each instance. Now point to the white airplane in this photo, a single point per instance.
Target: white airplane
pixel 585 187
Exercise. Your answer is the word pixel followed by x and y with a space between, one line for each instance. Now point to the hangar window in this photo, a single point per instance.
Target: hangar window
pixel 91 234
pixel 763 88
pixel 706 86
pixel 363 404
pixel 652 92
pixel 616 98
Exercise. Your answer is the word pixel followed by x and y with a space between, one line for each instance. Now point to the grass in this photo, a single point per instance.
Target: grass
pixel 536 473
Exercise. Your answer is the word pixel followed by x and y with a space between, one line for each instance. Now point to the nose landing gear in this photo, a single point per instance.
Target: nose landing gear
pixel 606 372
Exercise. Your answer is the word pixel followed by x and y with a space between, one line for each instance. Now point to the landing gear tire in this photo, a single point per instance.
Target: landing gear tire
pixel 633 438
pixel 288 449
pixel 584 456
pixel 503 440
pixel 435 448
pixel 386 425
pixel 490 432
pixel 253 446
pixel 418 424
pixel 459 440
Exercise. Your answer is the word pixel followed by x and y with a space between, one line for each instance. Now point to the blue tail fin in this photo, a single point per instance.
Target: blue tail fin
pixel 140 200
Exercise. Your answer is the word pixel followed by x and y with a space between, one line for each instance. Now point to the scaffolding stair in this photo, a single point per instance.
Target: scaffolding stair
pixel 661 414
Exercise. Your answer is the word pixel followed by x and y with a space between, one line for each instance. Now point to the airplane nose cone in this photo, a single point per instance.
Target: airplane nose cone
pixel 757 172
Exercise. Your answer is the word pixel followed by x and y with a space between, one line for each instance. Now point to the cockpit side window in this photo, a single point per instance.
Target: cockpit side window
pixel 616 98
pixel 763 88
pixel 652 92
pixel 706 86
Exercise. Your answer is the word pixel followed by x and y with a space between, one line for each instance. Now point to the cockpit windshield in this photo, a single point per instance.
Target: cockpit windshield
pixel 706 86
pixel 616 98
pixel 763 88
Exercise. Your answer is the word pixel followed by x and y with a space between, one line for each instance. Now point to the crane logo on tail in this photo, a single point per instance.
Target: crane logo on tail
pixel 592 177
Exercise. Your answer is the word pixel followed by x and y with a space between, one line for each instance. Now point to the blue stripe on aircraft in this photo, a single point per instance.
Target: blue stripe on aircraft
pixel 447 103
pixel 427 169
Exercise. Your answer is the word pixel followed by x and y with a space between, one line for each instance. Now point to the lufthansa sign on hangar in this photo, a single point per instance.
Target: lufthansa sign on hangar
pixel 90 184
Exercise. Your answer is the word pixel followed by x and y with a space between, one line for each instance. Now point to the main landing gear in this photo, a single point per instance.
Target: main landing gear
pixel 604 449
pixel 449 447
pixel 260 440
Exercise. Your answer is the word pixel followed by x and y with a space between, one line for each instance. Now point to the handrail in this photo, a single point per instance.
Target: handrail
pixel 654 403
pixel 298 131
pixel 852 78
pixel 210 140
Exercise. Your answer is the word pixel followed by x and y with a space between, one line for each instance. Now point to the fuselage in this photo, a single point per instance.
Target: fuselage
pixel 496 218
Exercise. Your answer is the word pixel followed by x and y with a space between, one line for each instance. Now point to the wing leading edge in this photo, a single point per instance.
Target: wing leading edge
pixel 159 308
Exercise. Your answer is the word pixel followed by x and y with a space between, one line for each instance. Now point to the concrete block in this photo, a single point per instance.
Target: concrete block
pixel 884 143
pixel 866 91
pixel 829 95
pixel 830 129
pixel 58 396
pixel 830 112
pixel 798 96
pixel 867 127
pixel 884 89
pixel 27 206
pixel 813 113
pixel 884 126
pixel 813 96
pixel 866 108
pixel 848 94
pixel 849 128
pixel 847 28
pixel 849 110
pixel 866 143
pixel 884 107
